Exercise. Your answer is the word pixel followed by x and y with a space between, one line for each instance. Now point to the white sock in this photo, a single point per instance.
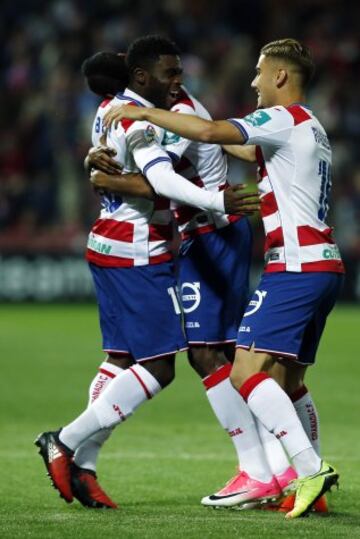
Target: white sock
pixel 271 405
pixel 107 371
pixel 116 403
pixel 234 416
pixel 307 462
pixel 308 415
pixel 87 453
pixel 274 451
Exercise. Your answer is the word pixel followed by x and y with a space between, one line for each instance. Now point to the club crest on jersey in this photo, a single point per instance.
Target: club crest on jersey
pixel 256 302
pixel 150 134
pixel 170 138
pixel 257 118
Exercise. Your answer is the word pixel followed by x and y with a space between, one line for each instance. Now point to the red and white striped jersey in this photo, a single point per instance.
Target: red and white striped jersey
pixel 205 165
pixel 294 158
pixel 130 231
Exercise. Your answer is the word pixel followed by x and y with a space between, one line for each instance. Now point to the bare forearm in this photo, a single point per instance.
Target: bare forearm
pixel 245 153
pixel 134 185
pixel 195 128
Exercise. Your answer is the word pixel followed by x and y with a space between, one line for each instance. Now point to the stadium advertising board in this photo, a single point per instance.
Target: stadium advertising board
pixel 55 278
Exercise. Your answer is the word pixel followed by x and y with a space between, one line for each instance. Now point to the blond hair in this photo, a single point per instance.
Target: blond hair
pixel 293 52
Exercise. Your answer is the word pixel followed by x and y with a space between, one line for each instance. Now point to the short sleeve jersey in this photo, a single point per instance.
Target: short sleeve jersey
pixel 294 180
pixel 131 231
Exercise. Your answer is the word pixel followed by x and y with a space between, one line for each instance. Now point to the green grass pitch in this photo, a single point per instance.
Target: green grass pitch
pixel 163 460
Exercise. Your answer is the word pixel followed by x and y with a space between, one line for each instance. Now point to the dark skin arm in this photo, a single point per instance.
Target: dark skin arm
pixel 134 185
pixel 101 158
pixel 105 175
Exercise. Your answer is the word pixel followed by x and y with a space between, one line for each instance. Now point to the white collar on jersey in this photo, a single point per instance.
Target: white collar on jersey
pixel 130 94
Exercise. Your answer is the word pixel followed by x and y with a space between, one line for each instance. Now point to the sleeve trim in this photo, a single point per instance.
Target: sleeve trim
pixel 240 127
pixel 155 162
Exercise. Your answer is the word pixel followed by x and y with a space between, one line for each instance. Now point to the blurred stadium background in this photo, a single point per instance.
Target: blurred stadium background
pixel 161 463
pixel 46 203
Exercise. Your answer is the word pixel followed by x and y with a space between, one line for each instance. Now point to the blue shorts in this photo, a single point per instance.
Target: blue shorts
pixel 139 310
pixel 287 314
pixel 213 279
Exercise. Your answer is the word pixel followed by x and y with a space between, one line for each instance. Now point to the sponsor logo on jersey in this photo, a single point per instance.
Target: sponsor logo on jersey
pixel 256 302
pixel 98 246
pixel 170 138
pixel 332 252
pixel 257 118
pixel 190 296
pixel 281 434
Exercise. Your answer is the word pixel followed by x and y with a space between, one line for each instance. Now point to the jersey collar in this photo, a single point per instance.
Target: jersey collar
pixel 130 94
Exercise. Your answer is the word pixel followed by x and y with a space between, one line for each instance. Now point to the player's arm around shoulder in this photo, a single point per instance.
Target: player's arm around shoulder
pixel 195 128
pixel 186 125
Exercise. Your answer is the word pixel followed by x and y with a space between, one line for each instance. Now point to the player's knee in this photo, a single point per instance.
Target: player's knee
pixel 167 376
pixel 124 362
pixel 236 378
pixel 162 369
pixel 196 358
pixel 205 360
pixel 244 367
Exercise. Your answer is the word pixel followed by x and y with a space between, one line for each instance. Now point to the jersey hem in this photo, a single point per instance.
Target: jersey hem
pixel 105 261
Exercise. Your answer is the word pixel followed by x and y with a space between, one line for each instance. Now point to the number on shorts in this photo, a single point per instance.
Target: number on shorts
pixel 174 297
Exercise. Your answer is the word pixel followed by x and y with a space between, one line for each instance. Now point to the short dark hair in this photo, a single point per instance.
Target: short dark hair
pixel 145 51
pixel 106 73
pixel 293 52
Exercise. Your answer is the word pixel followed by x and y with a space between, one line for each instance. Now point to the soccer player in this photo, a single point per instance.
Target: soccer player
pixel 304 272
pixel 131 263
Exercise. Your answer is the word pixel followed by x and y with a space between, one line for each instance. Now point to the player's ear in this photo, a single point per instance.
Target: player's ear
pixel 281 77
pixel 140 76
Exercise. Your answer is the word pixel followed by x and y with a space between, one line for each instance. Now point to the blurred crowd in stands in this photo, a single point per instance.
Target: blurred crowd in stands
pixel 46 112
